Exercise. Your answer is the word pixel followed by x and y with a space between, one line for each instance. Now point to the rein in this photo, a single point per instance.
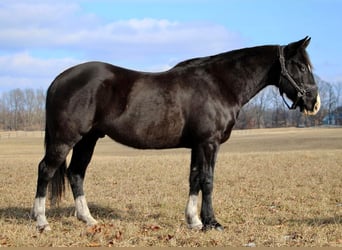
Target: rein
pixel 284 73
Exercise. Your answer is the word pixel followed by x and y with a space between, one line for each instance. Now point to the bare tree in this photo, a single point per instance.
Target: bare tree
pixel 260 103
pixel 29 99
pixel 280 112
pixel 338 91
pixel 22 109
pixel 39 109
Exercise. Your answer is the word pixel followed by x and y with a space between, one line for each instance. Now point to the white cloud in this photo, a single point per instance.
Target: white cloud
pixel 31 66
pixel 29 13
pixel 148 35
pixel 31 26
pixel 22 70
pixel 56 25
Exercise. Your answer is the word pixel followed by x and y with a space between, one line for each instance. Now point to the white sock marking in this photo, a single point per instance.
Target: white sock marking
pixel 191 213
pixel 82 211
pixel 38 213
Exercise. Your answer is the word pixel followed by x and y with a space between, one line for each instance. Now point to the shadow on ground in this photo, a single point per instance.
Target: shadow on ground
pixel 22 214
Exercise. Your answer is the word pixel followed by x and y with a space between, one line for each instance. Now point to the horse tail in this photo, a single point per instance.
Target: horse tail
pixel 56 187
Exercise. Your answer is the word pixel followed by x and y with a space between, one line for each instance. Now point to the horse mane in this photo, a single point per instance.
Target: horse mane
pixel 230 55
pixel 198 61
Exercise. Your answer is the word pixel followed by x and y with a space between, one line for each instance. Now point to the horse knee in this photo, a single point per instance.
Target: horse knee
pixel 207 185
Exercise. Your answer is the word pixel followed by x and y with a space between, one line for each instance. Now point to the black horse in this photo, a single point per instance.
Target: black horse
pixel 193 105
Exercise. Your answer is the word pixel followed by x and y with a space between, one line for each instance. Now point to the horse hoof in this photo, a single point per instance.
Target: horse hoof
pixel 91 223
pixel 217 226
pixel 195 227
pixel 43 228
pixel 88 219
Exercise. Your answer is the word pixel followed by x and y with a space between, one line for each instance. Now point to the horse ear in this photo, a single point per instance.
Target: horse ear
pixel 293 48
pixel 306 42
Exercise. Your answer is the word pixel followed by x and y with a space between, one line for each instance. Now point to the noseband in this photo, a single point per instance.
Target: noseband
pixel 284 73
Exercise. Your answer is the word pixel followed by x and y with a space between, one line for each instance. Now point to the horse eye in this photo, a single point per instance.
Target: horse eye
pixel 302 68
pixel 308 94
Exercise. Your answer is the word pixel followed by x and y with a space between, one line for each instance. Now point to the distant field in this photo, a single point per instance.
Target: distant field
pixel 273 187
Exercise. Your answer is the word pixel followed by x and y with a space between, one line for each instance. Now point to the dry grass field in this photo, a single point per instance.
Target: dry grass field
pixel 273 187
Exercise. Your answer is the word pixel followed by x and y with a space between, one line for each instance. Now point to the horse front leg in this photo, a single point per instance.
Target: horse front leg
pixel 210 151
pixel 207 211
pixel 202 166
pixel 191 214
pixel 203 159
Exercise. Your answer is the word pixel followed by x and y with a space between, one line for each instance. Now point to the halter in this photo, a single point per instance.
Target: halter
pixel 284 73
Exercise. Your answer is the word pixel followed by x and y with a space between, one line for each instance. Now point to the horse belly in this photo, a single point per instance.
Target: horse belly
pixel 149 134
pixel 149 126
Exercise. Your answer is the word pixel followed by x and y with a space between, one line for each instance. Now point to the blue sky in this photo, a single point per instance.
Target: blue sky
pixel 39 39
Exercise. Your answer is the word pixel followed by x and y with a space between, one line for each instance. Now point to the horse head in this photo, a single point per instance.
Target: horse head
pixel 296 78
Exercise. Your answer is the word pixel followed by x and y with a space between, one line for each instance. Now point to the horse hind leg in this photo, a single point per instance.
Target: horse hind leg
pixel 52 165
pixel 81 157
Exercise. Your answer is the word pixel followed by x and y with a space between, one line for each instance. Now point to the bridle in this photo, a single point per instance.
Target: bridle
pixel 284 73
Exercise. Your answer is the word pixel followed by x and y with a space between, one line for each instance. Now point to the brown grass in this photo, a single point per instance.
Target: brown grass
pixel 277 187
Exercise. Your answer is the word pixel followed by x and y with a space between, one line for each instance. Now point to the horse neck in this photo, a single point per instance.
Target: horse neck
pixel 250 71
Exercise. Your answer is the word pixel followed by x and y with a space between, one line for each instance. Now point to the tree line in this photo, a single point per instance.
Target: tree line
pixel 24 109
pixel 267 109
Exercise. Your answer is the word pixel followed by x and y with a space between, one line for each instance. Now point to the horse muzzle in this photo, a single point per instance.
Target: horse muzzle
pixel 316 107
